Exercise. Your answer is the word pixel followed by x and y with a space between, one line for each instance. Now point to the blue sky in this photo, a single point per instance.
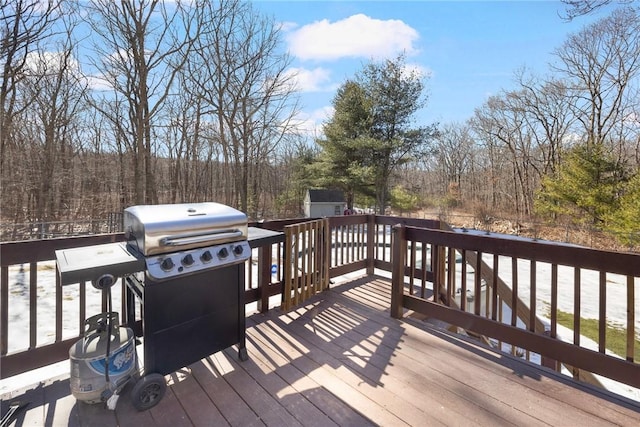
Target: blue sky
pixel 471 49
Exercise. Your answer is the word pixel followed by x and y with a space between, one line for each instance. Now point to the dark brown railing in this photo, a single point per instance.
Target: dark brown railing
pixel 29 256
pixel 475 294
pixel 427 265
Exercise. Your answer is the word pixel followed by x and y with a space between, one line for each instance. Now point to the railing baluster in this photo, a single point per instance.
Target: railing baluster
pixel 554 301
pixel 33 304
pixel 514 297
pixel 423 260
pixel 82 309
pixel 311 248
pixel 514 291
pixel 576 316
pixel 352 241
pixel 58 332
pixel 326 231
pixel 602 321
pixel 342 244
pixel 384 244
pixel 412 265
pixel 500 318
pixel 631 319
pixel 576 306
pixel 435 272
pixel 494 288
pixel 451 276
pixel 249 272
pixel 296 265
pixel 477 297
pixel 532 296
pixel 463 282
pixel 289 266
pixel 4 310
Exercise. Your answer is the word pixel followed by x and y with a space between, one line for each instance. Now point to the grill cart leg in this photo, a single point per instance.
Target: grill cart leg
pixel 242 354
pixel 148 391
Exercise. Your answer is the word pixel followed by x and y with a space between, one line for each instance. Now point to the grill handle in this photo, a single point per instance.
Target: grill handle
pixel 200 238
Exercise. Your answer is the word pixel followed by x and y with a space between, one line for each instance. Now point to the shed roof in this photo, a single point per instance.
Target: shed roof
pixel 326 196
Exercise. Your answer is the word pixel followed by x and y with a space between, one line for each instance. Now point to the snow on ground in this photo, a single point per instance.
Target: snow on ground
pixel 46 305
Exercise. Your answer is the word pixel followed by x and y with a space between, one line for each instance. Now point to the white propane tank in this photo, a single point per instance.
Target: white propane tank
pixel 88 357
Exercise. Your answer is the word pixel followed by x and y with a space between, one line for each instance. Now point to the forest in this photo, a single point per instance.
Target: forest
pixel 195 102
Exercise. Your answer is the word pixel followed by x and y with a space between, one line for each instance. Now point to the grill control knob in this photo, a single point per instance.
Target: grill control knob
pixel 187 260
pixel 223 253
pixel 166 264
pixel 206 256
pixel 238 250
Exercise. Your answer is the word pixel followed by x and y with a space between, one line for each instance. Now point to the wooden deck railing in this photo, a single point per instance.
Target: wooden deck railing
pixel 428 265
pixel 29 256
pixel 476 296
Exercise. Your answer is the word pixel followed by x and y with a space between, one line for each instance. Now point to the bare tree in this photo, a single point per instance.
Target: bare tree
pixel 141 46
pixel 599 65
pixel 241 73
pixel 501 121
pixel 576 8
pixel 25 23
pixel 186 144
pixel 454 147
pixel 549 116
pixel 24 26
pixel 55 90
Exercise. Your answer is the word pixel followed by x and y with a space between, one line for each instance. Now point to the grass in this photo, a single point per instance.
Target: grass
pixel 616 339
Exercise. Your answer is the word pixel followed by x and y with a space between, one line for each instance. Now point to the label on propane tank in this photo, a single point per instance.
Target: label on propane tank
pixel 120 361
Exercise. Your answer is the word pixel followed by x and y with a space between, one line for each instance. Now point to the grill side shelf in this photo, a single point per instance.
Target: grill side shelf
pixel 89 263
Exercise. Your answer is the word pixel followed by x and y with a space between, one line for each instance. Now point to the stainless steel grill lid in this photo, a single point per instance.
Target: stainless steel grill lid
pixel 159 229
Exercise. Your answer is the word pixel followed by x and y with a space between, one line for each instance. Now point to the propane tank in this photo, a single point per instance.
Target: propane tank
pixel 88 357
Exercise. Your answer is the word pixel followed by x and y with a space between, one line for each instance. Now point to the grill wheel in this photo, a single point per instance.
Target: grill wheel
pixel 148 391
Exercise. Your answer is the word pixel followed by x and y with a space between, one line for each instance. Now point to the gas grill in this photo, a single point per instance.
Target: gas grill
pixel 183 264
pixel 193 287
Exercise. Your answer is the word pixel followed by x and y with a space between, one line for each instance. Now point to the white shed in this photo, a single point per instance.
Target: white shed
pixel 320 203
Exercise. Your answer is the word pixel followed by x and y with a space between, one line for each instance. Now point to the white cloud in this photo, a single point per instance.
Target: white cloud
pixel 356 36
pixel 316 80
pixel 50 62
pixel 311 123
pixel 99 83
pixel 288 26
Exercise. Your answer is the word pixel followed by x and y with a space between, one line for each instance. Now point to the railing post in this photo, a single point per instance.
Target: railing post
pixel 371 242
pixel 398 254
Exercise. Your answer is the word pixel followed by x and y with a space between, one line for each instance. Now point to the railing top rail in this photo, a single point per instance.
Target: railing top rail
pixel 413 222
pixel 543 251
pixel 12 253
pixel 348 219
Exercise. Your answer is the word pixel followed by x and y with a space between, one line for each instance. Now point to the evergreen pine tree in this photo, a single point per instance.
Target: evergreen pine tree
pixel 586 187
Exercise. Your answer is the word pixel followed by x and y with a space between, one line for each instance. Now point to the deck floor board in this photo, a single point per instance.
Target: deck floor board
pixel 340 360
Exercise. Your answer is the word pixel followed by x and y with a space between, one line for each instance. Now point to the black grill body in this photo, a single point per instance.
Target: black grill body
pixel 188 318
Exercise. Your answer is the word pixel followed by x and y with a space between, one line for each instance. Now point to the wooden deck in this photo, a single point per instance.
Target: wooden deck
pixel 341 360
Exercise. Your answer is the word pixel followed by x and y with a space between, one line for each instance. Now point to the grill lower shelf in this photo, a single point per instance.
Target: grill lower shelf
pixel 188 318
